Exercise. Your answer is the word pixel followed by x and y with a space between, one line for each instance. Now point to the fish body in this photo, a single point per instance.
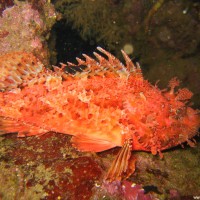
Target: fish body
pixel 102 106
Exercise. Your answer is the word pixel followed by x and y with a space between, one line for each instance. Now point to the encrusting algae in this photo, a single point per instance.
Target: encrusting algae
pixel 104 105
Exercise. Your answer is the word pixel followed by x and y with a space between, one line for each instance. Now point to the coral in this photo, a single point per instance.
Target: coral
pixel 26 29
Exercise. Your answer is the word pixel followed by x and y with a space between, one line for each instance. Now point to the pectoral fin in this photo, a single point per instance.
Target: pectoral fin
pixel 122 166
pixel 88 143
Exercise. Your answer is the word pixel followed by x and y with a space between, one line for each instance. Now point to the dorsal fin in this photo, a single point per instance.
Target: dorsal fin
pixel 113 61
pixel 16 68
pixel 21 69
pixel 109 67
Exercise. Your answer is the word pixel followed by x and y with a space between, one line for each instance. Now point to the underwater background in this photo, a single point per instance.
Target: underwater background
pixel 162 35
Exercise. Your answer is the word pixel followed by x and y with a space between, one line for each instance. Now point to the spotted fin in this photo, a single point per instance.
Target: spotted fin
pixel 87 143
pixel 8 125
pixel 16 68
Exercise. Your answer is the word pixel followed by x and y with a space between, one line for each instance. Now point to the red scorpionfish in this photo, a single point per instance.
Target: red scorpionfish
pixel 102 105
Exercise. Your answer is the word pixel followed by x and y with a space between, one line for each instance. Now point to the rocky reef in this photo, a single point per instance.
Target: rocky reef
pixel 48 167
pixel 164 36
pixel 24 28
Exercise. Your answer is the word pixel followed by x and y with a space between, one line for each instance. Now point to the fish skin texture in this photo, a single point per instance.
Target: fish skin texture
pixel 102 105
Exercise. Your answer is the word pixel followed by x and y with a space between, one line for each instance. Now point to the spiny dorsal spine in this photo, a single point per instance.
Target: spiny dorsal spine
pixel 109 66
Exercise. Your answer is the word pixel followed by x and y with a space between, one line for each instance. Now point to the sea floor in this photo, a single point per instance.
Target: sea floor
pixel 48 167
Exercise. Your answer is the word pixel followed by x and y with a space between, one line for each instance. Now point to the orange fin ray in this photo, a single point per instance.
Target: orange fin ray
pixel 112 59
pixel 114 63
pixel 106 65
pixel 120 163
pixel 8 125
pixel 88 143
pixel 129 64
pixel 134 70
pixel 102 66
pixel 17 68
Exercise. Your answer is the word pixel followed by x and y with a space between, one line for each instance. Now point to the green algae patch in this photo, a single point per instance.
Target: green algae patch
pixel 41 174
pixel 13 184
pixel 68 171
pixel 6 146
pixel 8 181
pixel 69 152
pixel 46 167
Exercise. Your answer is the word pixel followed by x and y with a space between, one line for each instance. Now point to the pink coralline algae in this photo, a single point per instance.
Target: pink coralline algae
pixel 125 190
pixel 36 43
pixel 132 191
pixel 20 22
pixel 25 29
